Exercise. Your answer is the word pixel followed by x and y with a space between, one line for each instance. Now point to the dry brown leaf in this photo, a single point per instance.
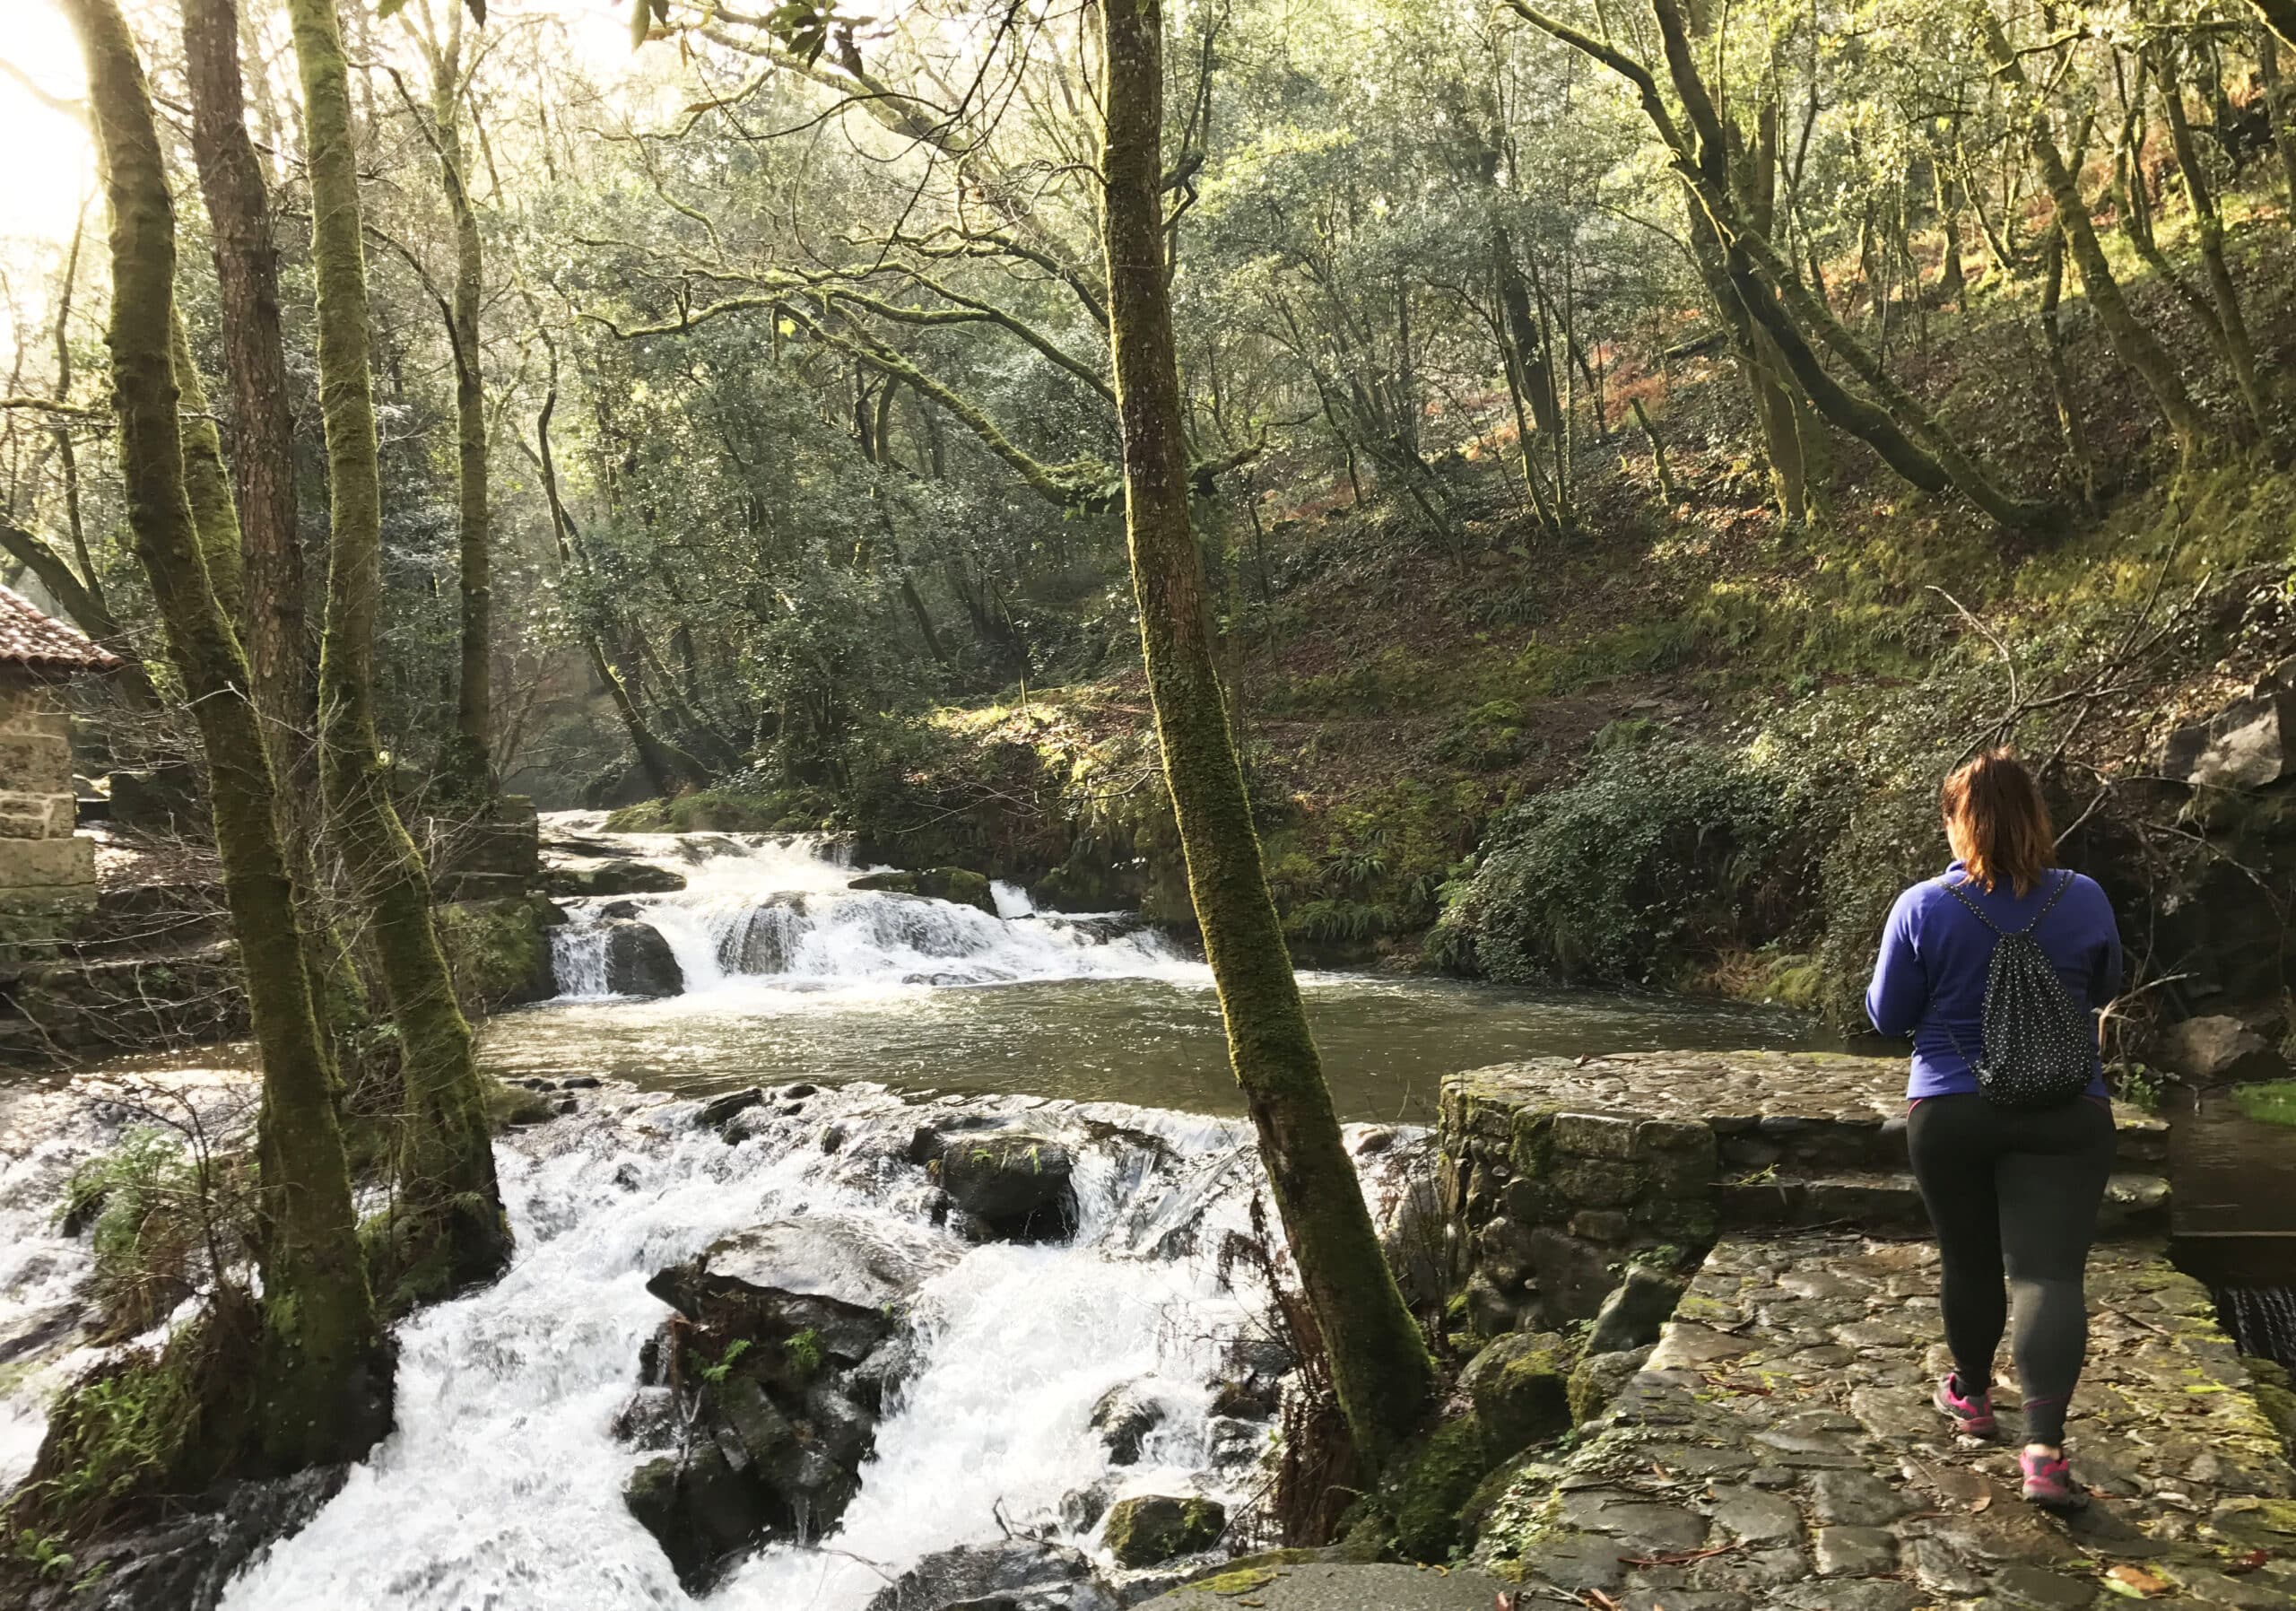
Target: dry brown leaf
pixel 2142 1582
pixel 2251 1562
pixel 1984 1502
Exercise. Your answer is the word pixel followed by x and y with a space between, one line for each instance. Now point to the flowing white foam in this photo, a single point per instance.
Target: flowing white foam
pixel 765 915
pixel 501 1485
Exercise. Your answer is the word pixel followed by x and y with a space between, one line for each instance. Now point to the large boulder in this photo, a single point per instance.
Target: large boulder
pixel 953 884
pixel 1520 1387
pixel 187 1562
pixel 1635 1312
pixel 1013 1186
pixel 781 1349
pixel 1016 1574
pixel 1151 1528
pixel 619 876
pixel 840 1276
pixel 764 939
pixel 640 961
pixel 2250 743
pixel 1123 1419
pixel 2219 1049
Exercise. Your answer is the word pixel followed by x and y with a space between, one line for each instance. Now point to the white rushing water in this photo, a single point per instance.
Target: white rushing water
pixel 764 916
pixel 501 1485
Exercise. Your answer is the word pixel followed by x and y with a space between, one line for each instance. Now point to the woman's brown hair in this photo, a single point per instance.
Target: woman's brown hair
pixel 1998 822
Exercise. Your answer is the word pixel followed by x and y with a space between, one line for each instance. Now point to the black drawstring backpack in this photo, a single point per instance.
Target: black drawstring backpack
pixel 2039 1046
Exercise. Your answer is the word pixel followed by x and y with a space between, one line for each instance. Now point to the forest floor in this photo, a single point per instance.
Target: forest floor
pixel 1402 687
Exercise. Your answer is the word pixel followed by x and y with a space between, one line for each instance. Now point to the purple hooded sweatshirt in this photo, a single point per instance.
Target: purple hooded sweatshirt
pixel 1929 979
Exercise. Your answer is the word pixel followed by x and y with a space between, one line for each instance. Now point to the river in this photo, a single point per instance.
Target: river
pixel 501 1485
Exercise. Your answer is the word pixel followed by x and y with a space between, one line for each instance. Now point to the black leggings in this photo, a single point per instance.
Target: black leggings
pixel 2021 1188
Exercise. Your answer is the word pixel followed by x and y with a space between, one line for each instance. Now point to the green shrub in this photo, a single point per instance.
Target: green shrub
pixel 1661 852
pixel 153 1209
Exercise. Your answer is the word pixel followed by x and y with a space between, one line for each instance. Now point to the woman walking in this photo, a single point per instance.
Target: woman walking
pixel 2012 1163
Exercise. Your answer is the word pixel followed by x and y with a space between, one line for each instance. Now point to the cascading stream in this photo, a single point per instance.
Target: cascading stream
pixel 501 1486
pixel 765 914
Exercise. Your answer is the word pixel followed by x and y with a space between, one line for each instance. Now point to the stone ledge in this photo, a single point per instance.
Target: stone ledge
pixel 1783 1423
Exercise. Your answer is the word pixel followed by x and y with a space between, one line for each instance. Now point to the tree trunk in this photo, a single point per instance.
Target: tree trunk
pixel 2060 374
pixel 2280 110
pixel 2131 339
pixel 2280 16
pixel 668 767
pixel 324 1386
pixel 469 760
pixel 1380 1362
pixel 451 1224
pixel 213 516
pixel 254 363
pixel 2239 350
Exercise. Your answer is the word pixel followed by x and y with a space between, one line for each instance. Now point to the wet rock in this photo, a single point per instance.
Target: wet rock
pixel 952 885
pixel 185 1562
pixel 1247 1398
pixel 638 959
pixel 1635 1311
pixel 717 1113
pixel 1014 1187
pixel 1521 1388
pixel 1013 1575
pixel 703 1512
pixel 839 1277
pixel 1080 1508
pixel 620 877
pixel 648 1419
pixel 1123 1419
pixel 763 939
pixel 2217 1050
pixel 1151 1528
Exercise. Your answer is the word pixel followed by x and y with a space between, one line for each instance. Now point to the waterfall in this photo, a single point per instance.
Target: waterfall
pixel 1017 1344
pixel 2260 1320
pixel 778 912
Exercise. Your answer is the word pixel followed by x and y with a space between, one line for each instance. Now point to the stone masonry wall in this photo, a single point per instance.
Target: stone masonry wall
pixel 1557 1170
pixel 47 876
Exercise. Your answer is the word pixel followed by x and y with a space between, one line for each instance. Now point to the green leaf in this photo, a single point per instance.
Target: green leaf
pixel 641 22
pixel 385 10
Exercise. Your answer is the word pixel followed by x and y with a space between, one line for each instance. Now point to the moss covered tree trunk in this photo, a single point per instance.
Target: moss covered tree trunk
pixel 255 362
pixel 324 1388
pixel 213 516
pixel 1380 1362
pixel 450 1229
pixel 2134 343
pixel 468 761
pixel 2231 324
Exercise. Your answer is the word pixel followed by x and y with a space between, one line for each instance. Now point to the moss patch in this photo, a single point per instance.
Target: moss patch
pixel 498 952
pixel 1428 1499
pixel 2271 1104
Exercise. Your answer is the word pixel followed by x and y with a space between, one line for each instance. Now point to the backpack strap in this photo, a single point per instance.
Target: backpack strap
pixel 1975 910
pixel 2055 894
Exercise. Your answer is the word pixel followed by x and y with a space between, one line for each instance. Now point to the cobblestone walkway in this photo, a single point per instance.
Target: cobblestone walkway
pixel 1777 1451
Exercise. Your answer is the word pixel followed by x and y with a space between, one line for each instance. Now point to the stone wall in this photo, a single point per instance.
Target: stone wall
pixel 47 876
pixel 1558 1171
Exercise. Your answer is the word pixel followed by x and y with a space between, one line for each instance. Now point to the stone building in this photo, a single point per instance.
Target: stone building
pixel 48 872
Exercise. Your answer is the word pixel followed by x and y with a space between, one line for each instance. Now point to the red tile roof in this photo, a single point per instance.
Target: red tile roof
pixel 31 641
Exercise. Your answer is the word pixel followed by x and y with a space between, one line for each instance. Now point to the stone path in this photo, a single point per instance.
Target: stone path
pixel 1337 1588
pixel 1556 1168
pixel 1777 1451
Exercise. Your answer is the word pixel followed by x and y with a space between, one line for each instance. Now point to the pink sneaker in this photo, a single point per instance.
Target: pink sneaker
pixel 2048 1482
pixel 1971 1417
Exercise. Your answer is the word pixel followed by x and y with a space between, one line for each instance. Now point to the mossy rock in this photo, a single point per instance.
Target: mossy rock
pixel 1428 1499
pixel 498 952
pixel 953 884
pixel 2275 1396
pixel 1151 1528
pixel 1598 1379
pixel 718 811
pixel 1520 1387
